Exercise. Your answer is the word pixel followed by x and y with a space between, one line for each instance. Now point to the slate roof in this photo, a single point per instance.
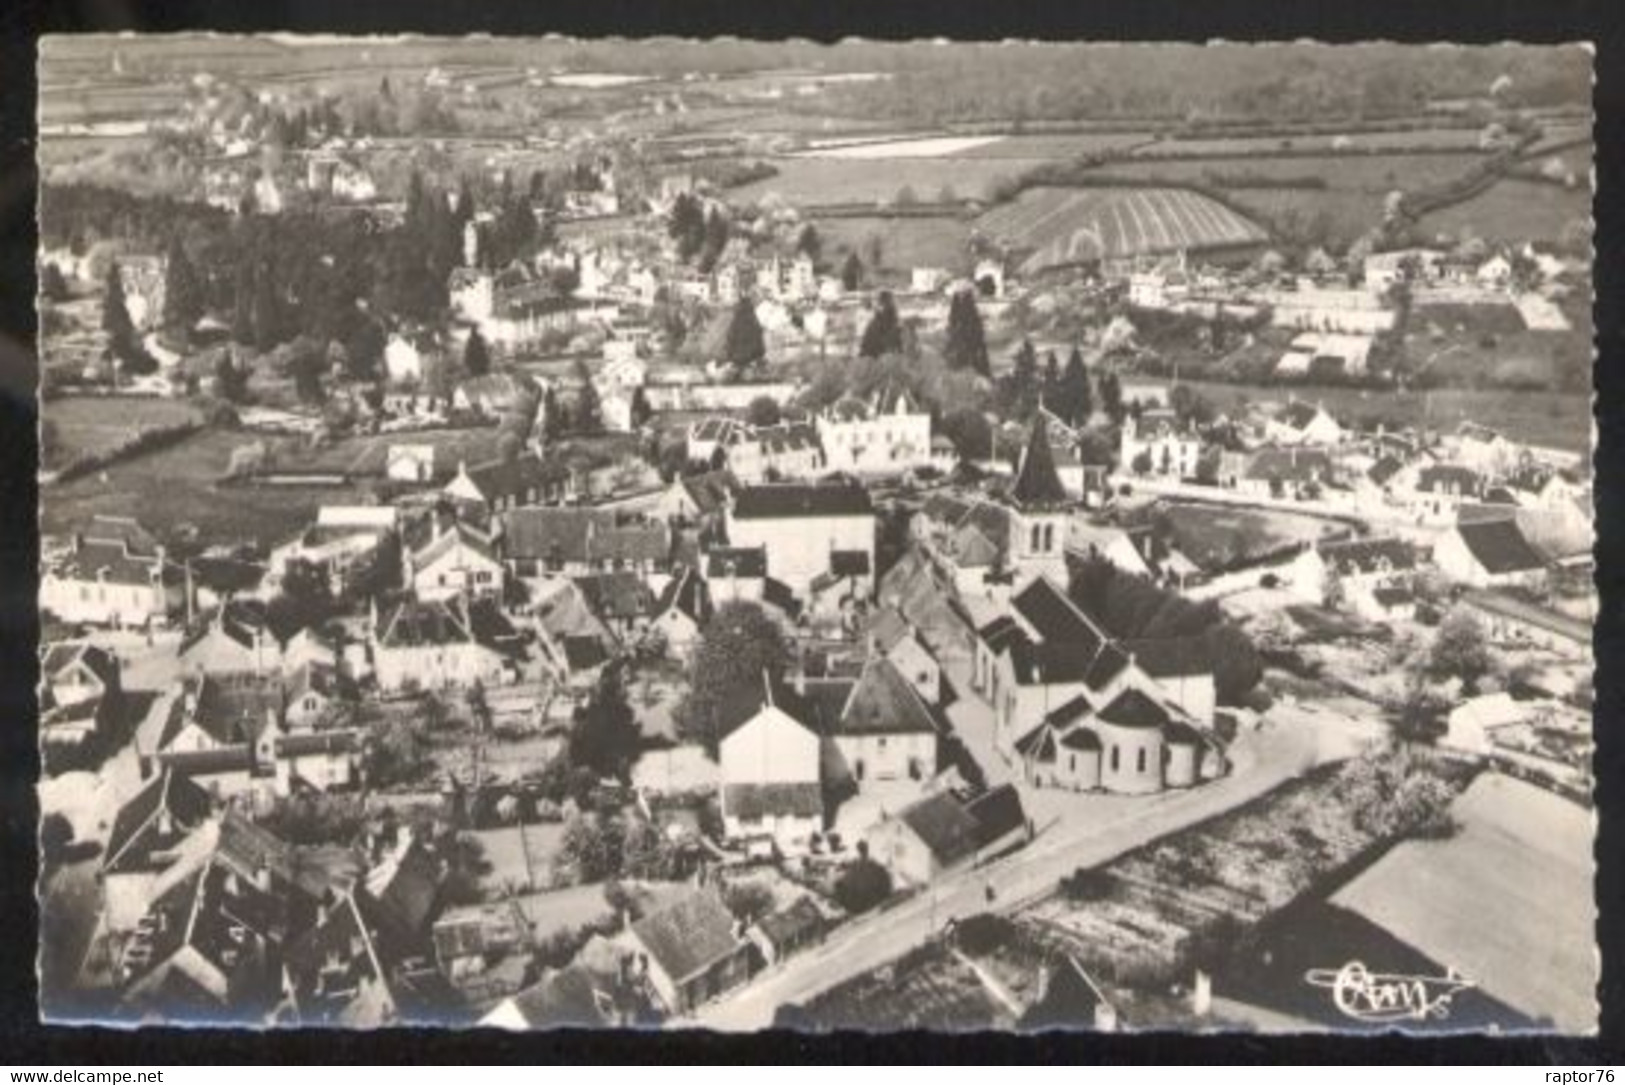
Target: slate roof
pixel 59 657
pixel 1507 606
pixel 689 593
pixel 617 595
pixel 885 703
pixel 1368 555
pixel 583 653
pixel 1070 1000
pixel 1297 414
pixel 1384 470
pixel 1081 738
pixel 744 562
pixel 709 491
pixel 1038 745
pixel 137 835
pixel 563 998
pixel 944 826
pixel 789 926
pixel 459 534
pixel 587 536
pixel 997 813
pixel 1171 657
pixel 1499 546
pixel 412 623
pixel 1055 618
pixel 785 501
pixel 849 562
pixel 688 936
pixel 1037 485
pixel 509 478
pixel 1449 477
pixel 109 560
pixel 752 801
pixel 1132 708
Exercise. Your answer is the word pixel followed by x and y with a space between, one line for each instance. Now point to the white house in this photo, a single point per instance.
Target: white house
pixel 772 783
pixel 410 462
pixel 1490 554
pixel 455 562
pixel 886 730
pixel 809 531
pixel 114 573
pixel 1166 447
pixel 887 435
pixel 440 645
pixel 1303 424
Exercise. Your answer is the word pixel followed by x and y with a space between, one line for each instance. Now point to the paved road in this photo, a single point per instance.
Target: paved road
pixel 1261 761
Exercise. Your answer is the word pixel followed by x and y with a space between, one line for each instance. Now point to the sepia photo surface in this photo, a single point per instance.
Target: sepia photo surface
pixel 729 535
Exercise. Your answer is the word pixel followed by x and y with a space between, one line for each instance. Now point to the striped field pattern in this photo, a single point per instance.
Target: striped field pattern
pixel 1062 226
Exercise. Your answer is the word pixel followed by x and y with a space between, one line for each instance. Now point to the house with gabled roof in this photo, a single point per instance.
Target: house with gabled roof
pixel 886 434
pixel 1441 489
pixel 234 639
pixel 448 643
pixel 948 831
pixel 500 485
pixel 458 561
pixel 808 531
pixel 683 609
pixel 142 845
pixel 1490 554
pixel 1041 653
pixel 886 730
pixel 1303 424
pixel 772 777
pixel 690 951
pixel 549 541
pixel 114 573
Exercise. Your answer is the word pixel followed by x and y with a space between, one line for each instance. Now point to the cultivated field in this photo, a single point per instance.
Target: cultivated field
pixel 923 147
pixel 804 181
pixel 928 988
pixel 1548 419
pixel 93 424
pixel 904 242
pixel 1070 225
pixel 1380 173
pixel 1422 141
pixel 1514 210
pixel 1059 147
pixel 175 486
pixel 1214 536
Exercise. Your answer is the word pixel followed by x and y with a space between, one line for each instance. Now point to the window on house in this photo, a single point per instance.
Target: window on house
pixel 1115 753
pixel 1139 761
pixel 1037 537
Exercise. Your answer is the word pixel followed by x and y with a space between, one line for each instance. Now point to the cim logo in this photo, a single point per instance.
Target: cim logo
pixel 1364 995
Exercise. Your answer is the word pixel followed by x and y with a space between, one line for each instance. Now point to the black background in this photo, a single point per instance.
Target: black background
pixel 24 1042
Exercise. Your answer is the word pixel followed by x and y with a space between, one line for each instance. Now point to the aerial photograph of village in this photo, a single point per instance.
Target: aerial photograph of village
pixel 544 533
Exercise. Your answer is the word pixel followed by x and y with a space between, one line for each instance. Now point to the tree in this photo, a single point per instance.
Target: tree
pixel 717 232
pixel 364 349
pixel 966 346
pixel 1460 650
pixel 737 648
pixel 884 333
pixel 476 355
pixel 183 292
pixel 116 320
pixel 596 845
pixel 267 316
pixel 748 901
pixel 686 225
pixel 763 411
pixel 1422 716
pixel 1111 397
pixel 851 273
pixel 640 409
pixel 589 412
pixel 554 422
pixel 970 432
pixel 808 243
pixel 862 885
pixel 231 383
pixel 1075 403
pixel 745 345
pixel 1022 386
pixel 605 735
pixel 306 365
pixel 1052 378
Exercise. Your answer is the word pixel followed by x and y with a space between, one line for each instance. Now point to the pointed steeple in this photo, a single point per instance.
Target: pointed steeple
pixel 1037 484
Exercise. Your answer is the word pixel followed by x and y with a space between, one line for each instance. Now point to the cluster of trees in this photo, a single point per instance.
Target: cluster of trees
pixel 1065 392
pixel 1131 607
pixel 737 648
pixel 701 231
pixel 966 345
pixel 515 231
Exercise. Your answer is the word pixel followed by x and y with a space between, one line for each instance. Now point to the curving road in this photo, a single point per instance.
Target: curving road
pixel 1290 741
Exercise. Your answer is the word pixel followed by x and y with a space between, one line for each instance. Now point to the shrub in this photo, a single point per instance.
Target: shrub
pixel 984 933
pixel 862 886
